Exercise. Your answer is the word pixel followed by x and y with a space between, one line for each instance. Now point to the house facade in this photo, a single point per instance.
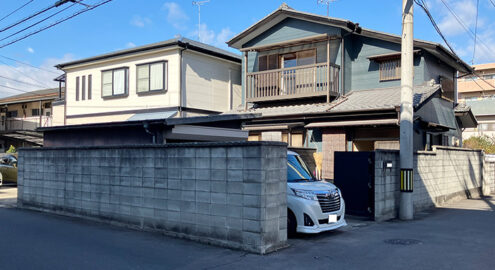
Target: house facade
pixel 174 78
pixel 332 85
pixel 479 94
pixel 21 115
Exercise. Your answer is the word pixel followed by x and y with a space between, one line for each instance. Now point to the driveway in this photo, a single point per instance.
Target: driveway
pixel 460 236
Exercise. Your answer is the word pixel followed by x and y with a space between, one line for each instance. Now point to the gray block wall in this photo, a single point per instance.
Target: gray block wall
pixel 229 194
pixel 440 176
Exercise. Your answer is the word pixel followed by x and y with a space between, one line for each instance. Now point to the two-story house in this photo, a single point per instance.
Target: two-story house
pixel 177 77
pixel 21 115
pixel 478 93
pixel 134 95
pixel 330 84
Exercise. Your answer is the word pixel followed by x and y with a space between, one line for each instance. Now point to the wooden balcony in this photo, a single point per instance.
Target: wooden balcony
pixel 316 80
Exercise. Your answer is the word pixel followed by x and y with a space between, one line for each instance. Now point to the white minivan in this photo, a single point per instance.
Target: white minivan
pixel 313 205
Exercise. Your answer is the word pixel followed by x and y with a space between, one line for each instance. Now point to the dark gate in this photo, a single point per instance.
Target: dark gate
pixel 355 176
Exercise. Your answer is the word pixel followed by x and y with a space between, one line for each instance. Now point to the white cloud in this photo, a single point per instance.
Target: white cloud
pixel 130 45
pixel 30 50
pixel 466 13
pixel 31 78
pixel 209 36
pixel 139 21
pixel 175 15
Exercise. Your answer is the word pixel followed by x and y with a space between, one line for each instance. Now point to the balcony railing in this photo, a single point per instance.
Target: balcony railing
pixel 26 123
pixel 289 83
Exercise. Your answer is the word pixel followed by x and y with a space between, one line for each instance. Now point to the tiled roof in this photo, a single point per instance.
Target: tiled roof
pixel 362 100
pixel 382 98
pixel 44 94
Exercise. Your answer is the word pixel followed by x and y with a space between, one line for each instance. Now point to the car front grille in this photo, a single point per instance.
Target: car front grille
pixel 329 202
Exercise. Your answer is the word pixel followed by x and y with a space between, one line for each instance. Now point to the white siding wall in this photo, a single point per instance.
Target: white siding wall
pixel 132 102
pixel 208 82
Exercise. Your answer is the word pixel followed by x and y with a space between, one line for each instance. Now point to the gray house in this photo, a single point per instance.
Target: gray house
pixel 332 85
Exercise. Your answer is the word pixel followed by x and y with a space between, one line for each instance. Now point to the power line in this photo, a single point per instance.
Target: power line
pixel 27 18
pixel 475 30
pixel 25 75
pixel 493 3
pixel 19 81
pixel 6 16
pixel 36 23
pixel 55 23
pixel 423 5
pixel 27 64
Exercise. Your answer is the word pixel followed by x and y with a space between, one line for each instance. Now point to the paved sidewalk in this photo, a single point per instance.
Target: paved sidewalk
pixel 8 196
pixel 459 236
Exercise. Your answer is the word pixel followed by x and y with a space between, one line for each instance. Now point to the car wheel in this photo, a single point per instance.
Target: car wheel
pixel 291 223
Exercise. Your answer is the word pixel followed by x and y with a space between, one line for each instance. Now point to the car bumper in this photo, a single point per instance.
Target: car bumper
pixel 301 206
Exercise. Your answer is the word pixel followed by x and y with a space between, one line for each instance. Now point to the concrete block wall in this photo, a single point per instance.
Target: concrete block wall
pixel 229 194
pixel 440 176
pixel 489 174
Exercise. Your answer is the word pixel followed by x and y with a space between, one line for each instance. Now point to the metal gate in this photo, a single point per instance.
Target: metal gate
pixel 355 176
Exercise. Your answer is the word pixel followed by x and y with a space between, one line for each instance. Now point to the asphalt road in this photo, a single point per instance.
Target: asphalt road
pixel 460 236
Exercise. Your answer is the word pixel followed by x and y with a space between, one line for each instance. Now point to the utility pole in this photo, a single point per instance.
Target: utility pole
pixel 199 4
pixel 406 113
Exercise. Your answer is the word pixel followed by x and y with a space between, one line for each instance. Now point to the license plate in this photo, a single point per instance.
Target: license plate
pixel 332 218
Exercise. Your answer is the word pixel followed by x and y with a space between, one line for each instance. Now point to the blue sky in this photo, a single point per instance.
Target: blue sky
pixel 123 24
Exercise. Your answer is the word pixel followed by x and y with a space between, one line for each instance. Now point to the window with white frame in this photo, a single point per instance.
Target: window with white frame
pixel 115 82
pixel 151 77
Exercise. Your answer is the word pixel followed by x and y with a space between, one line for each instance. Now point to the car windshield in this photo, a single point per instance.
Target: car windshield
pixel 297 170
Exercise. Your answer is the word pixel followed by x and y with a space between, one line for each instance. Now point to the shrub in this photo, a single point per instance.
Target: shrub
pixel 481 142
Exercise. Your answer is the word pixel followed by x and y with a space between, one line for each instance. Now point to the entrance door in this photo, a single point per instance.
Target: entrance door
pixel 354 175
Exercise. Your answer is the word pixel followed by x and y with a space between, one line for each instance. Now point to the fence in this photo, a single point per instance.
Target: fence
pixel 440 176
pixel 229 194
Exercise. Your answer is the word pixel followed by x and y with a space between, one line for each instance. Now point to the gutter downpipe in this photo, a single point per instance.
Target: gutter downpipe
pixel 180 43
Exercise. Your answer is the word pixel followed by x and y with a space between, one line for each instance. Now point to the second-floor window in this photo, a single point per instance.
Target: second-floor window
pixel 115 82
pixel 390 70
pixel 152 77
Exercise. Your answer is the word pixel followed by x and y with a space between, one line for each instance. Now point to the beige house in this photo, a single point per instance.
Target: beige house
pixel 21 115
pixel 174 78
pixel 479 94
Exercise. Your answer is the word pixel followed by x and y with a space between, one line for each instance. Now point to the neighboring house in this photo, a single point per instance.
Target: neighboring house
pixel 171 91
pixel 21 115
pixel 479 94
pixel 329 84
pixel 174 78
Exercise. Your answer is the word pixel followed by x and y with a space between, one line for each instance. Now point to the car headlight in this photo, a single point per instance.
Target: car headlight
pixel 306 194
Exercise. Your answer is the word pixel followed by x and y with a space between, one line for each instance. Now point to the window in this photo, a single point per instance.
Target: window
pixel 390 70
pixel 90 86
pixel 114 82
pixel 267 62
pixel 12 114
pixel 77 88
pixel 83 88
pixel 35 112
pixel 301 58
pixel 151 77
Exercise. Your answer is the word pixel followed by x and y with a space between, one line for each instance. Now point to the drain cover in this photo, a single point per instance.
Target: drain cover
pixel 403 242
